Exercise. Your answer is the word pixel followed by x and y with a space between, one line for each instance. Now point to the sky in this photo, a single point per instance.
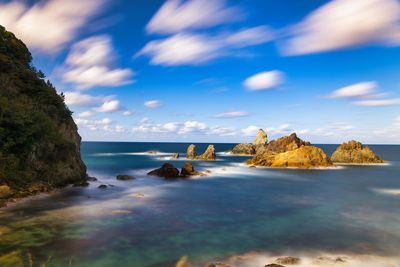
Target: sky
pixel 217 71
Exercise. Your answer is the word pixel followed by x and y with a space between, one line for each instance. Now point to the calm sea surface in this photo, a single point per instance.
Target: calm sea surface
pixel 235 210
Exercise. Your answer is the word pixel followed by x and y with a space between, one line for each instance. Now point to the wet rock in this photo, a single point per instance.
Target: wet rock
pixel 103 186
pixel 91 179
pixel 188 170
pixel 81 184
pixel 167 171
pixel 124 177
pixel 152 152
pixel 175 156
pixel 209 154
pixel 288 260
pixel 354 152
pixel 191 152
pixel 5 192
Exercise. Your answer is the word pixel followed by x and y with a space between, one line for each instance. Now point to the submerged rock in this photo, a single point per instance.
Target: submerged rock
pixel 274 265
pixel 188 170
pixel 288 260
pixel 218 264
pixel 124 177
pixel 209 154
pixel 91 178
pixel 175 156
pixel 102 186
pixel 167 171
pixel 191 152
pixel 81 184
pixel 290 151
pixel 354 152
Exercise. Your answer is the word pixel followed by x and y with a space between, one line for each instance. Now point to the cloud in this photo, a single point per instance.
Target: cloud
pixel 362 89
pixel 250 130
pixel 90 64
pixel 128 113
pixel 152 104
pixel 148 127
pixel 177 16
pixel 78 99
pixel 264 80
pixel 85 114
pixel 94 124
pixel 48 25
pixel 343 23
pixel 190 127
pixel 194 49
pixel 232 114
pixel 378 102
pixel 109 106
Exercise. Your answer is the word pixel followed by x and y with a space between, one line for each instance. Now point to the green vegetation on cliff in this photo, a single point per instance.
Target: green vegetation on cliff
pixel 39 143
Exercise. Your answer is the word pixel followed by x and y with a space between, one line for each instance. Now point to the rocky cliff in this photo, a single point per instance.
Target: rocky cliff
pixel 290 151
pixel 39 142
pixel 354 152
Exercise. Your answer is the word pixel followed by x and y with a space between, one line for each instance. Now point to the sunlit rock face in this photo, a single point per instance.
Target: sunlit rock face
pixel 209 153
pixel 251 149
pixel 356 153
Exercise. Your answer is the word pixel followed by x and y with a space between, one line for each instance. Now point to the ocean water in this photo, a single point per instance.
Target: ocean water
pixel 234 210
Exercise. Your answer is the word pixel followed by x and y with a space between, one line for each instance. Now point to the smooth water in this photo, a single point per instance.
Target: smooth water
pixel 234 210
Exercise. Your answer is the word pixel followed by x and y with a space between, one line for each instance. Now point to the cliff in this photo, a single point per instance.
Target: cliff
pixel 354 152
pixel 39 141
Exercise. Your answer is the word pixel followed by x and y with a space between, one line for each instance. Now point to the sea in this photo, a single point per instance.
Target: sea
pixel 235 210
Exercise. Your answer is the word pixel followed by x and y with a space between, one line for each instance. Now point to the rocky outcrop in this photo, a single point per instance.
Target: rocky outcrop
pixel 188 170
pixel 167 171
pixel 354 152
pixel 209 154
pixel 175 156
pixel 250 149
pixel 288 260
pixel 191 152
pixel 124 177
pixel 40 145
pixel 290 151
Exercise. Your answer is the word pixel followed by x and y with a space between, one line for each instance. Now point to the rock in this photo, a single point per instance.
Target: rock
pixel 152 152
pixel 274 265
pixel 209 154
pixel 81 184
pixel 218 264
pixel 175 156
pixel 244 149
pixel 188 170
pixel 290 151
pixel 261 138
pixel 5 192
pixel 124 177
pixel 191 152
pixel 288 260
pixel 102 186
pixel 91 179
pixel 354 152
pixel 183 262
pixel 167 171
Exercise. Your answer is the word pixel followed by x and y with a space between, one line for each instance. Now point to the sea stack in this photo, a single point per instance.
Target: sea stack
pixel 191 152
pixel 290 151
pixel 353 152
pixel 261 138
pixel 251 149
pixel 209 154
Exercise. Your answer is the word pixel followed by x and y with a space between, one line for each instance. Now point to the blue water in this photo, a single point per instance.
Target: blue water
pixel 236 209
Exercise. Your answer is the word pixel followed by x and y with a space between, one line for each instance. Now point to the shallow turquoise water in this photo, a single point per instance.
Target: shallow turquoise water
pixel 233 211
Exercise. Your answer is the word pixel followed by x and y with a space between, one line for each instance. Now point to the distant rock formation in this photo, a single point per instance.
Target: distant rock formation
pixel 188 170
pixel 354 152
pixel 250 149
pixel 209 154
pixel 167 171
pixel 290 151
pixel 191 152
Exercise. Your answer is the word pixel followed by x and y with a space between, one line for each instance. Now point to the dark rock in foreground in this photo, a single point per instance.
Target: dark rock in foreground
pixel 188 170
pixel 167 171
pixel 124 177
pixel 354 152
pixel 103 186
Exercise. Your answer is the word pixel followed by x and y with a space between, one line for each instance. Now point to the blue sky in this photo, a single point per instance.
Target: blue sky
pixel 217 71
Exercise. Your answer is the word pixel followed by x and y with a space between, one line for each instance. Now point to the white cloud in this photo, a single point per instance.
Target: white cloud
pixel 362 89
pixel 175 16
pixel 190 127
pixel 48 25
pixel 221 131
pixel 109 106
pixel 232 114
pixel 78 99
pixel 90 64
pixel 264 80
pixel 344 23
pixel 194 49
pixel 85 114
pixel 94 124
pixel 128 113
pixel 250 130
pixel 378 102
pixel 152 104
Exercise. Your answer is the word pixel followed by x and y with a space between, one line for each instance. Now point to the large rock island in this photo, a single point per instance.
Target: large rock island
pixel 290 151
pixel 354 152
pixel 39 141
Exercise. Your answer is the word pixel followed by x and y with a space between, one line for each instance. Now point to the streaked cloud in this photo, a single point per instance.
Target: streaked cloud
pixel 343 23
pixel 85 114
pixel 109 106
pixel 152 104
pixel 250 130
pixel 264 80
pixel 48 25
pixel 361 89
pixel 378 102
pixel 177 16
pixel 90 64
pixel 232 114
